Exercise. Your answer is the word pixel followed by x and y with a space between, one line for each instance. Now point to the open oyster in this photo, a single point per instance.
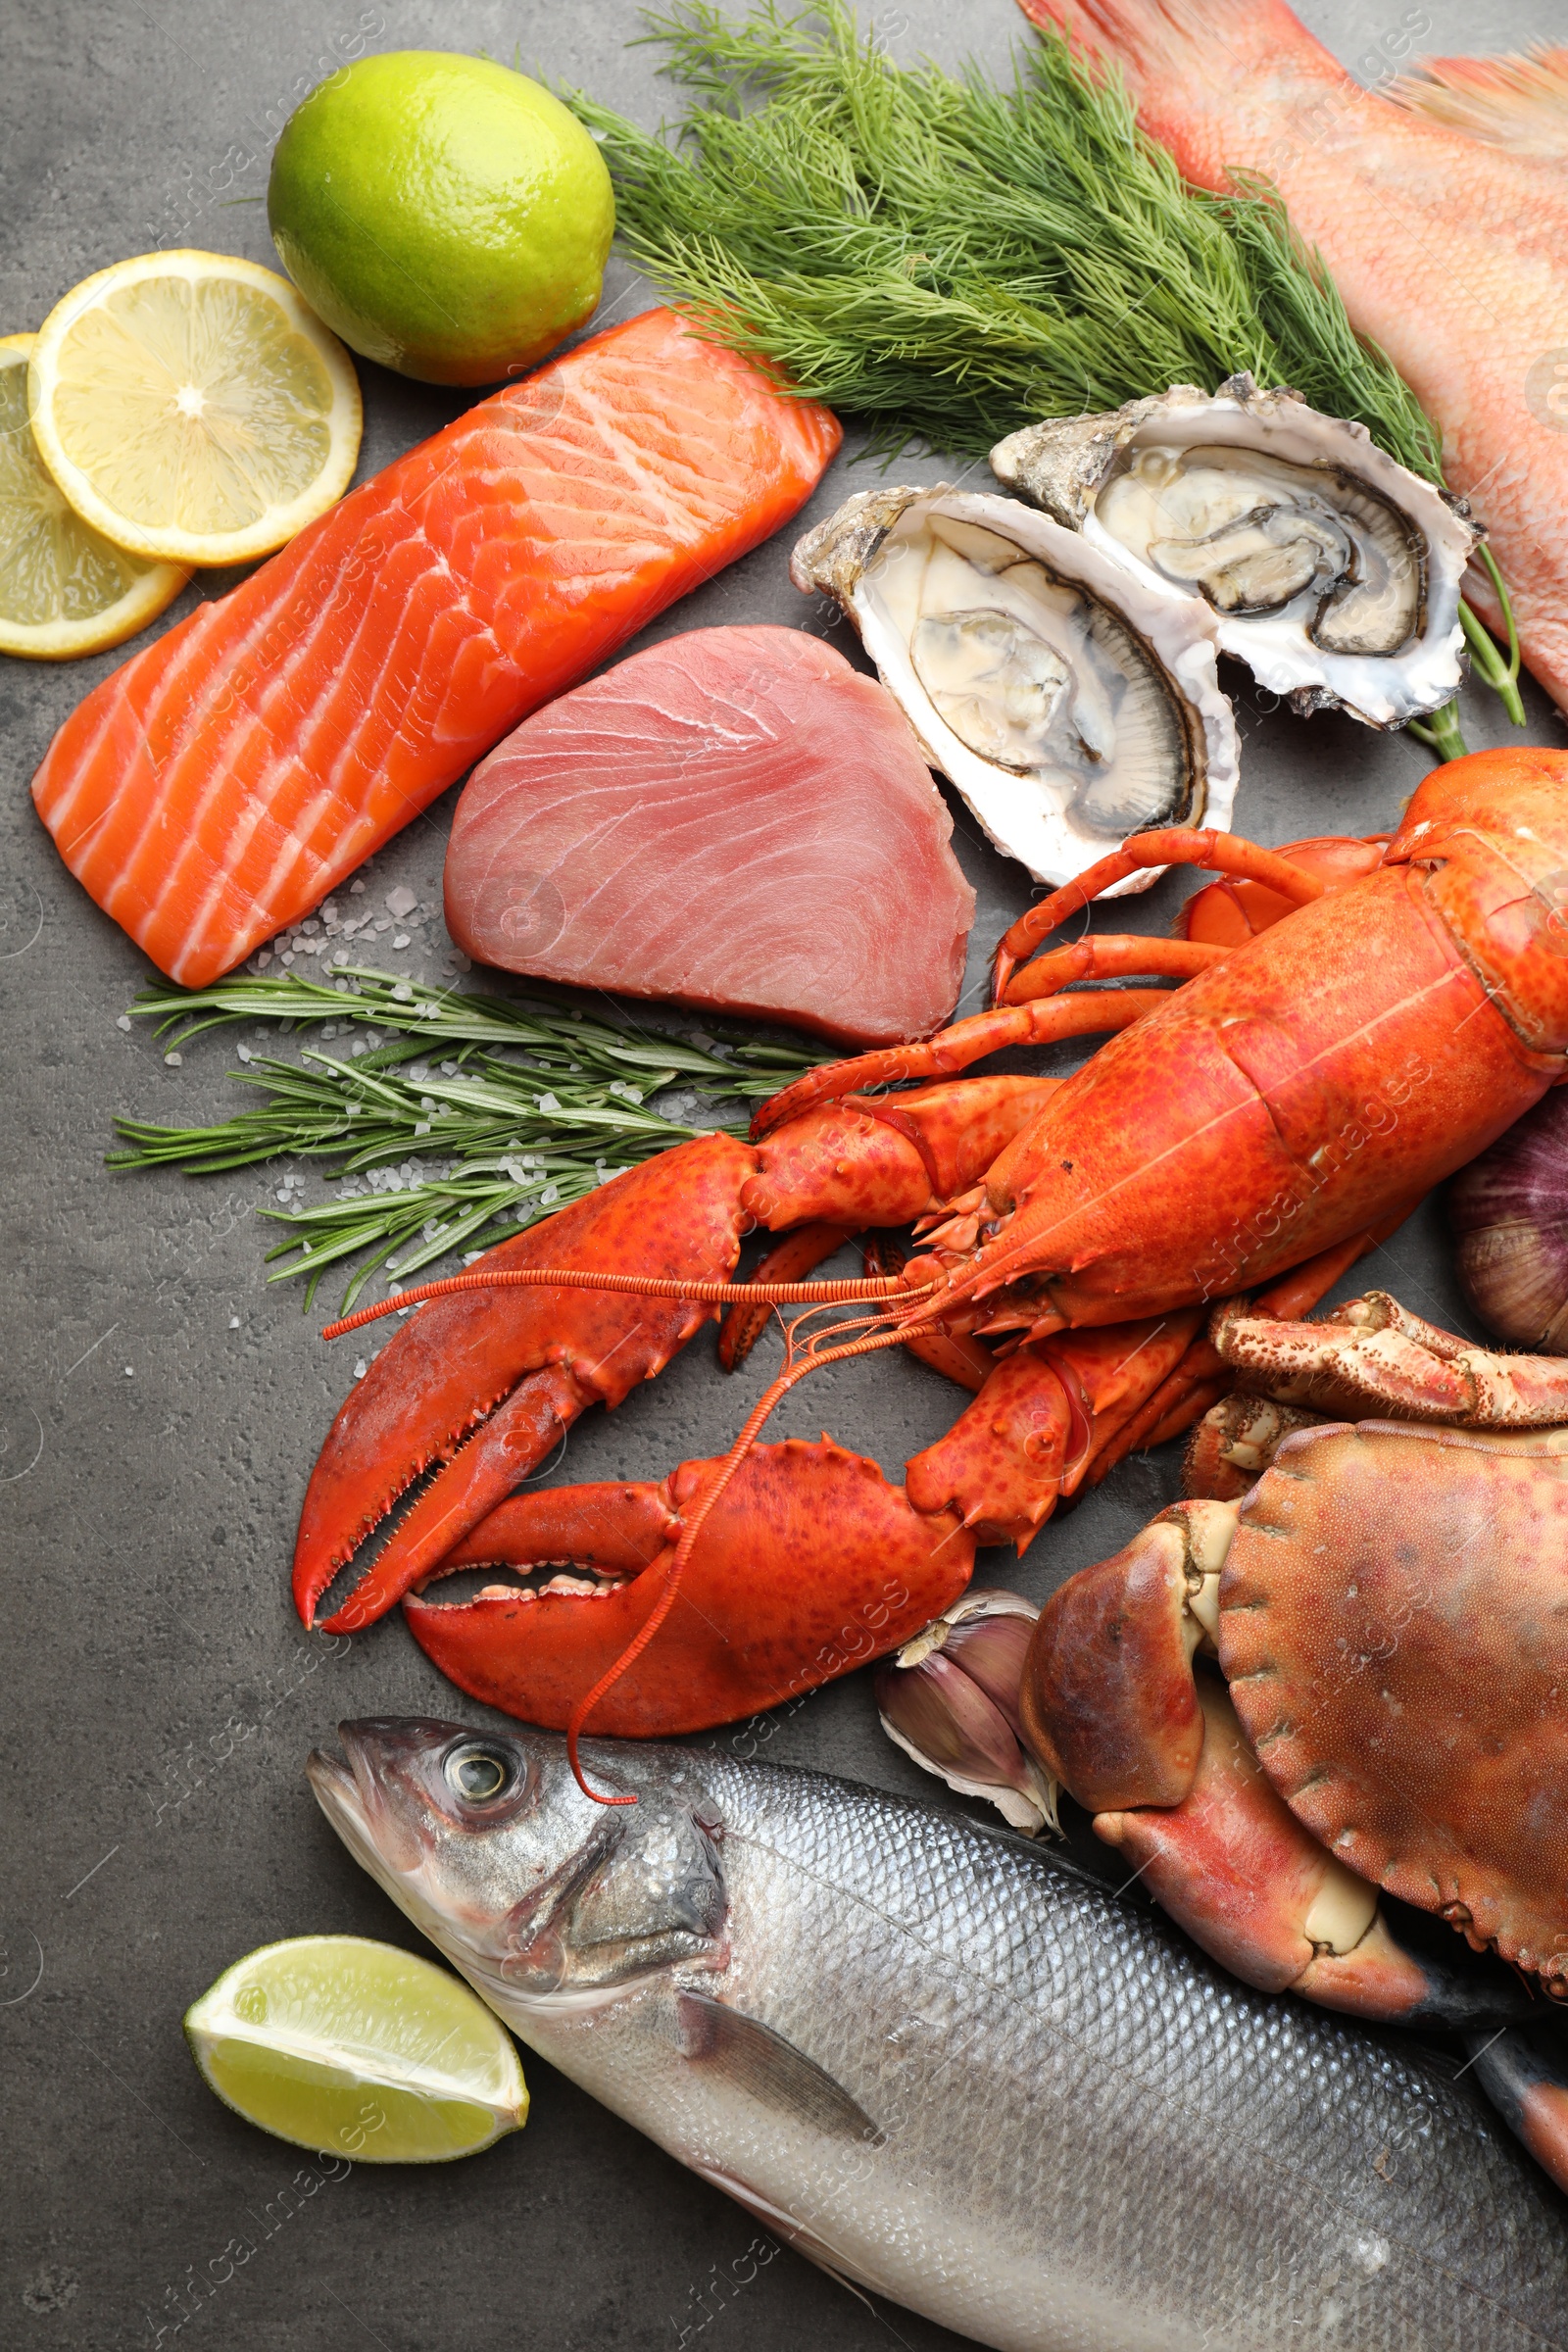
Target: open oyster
pixel 1068 703
pixel 1332 571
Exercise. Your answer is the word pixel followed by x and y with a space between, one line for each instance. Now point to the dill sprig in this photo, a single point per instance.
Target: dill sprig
pixel 950 257
pixel 525 1111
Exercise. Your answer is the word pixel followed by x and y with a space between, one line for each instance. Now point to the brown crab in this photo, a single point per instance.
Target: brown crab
pixel 1351 1676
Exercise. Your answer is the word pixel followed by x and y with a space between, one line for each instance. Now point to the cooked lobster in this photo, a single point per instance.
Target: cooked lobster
pixel 1309 1080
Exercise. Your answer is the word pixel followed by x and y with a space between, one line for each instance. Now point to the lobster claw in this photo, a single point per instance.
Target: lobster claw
pixel 808 1565
pixel 531 1359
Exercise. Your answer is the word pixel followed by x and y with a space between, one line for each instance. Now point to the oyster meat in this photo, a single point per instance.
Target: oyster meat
pixel 1332 571
pixel 1069 705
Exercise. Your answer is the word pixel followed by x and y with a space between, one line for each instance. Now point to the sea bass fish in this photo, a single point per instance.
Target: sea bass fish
pixel 951 2067
pixel 220 782
pixel 1449 251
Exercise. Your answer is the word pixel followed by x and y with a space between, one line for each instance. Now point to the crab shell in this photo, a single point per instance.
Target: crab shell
pixel 1063 464
pixel 1021 817
pixel 1394 1628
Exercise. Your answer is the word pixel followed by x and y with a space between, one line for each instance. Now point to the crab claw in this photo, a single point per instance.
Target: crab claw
pixel 1372 1355
pixel 531 1359
pixel 1525 2075
pixel 809 1564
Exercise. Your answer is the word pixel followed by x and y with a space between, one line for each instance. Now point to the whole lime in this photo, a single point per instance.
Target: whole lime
pixel 443 215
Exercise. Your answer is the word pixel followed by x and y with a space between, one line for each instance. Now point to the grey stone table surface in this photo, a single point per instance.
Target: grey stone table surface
pixel 160 1406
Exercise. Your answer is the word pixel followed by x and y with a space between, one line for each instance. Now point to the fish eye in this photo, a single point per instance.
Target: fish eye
pixel 479 1774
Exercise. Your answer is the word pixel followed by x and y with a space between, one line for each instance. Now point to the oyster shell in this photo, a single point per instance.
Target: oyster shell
pixel 1068 703
pixel 1333 571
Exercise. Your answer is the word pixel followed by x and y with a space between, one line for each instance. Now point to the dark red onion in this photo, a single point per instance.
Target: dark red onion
pixel 1510 1215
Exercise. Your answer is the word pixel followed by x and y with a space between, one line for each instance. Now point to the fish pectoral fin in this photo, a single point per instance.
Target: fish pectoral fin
pixel 760 2061
pixel 796 2234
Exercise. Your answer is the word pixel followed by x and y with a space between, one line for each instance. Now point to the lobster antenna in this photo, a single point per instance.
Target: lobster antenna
pixel 642 1286
pixel 778 1388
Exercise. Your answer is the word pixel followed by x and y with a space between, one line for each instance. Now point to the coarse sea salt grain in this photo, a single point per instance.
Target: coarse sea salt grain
pixel 123 1022
pixel 400 903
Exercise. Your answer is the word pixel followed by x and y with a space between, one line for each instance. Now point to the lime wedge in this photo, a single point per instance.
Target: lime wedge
pixel 355 2048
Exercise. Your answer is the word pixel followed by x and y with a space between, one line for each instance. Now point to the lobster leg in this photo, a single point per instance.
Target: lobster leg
pixel 953 1049
pixel 1203 1377
pixel 1112 957
pixel 1040 1014
pixel 798 1255
pixel 808 1565
pixel 1229 913
pixel 1176 844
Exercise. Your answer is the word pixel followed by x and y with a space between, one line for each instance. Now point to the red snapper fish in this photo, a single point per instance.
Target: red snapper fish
pixel 1449 248
pixel 1520 102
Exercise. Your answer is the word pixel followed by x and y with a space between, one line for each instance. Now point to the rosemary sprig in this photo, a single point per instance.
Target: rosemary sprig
pixel 949 257
pixel 527 1111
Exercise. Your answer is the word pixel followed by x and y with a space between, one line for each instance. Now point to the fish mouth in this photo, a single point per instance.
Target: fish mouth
pixel 338 1793
pixel 333 1783
pixel 353 1791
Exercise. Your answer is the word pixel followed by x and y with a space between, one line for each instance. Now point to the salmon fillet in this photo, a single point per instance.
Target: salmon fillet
pixel 734 819
pixel 1449 251
pixel 224 779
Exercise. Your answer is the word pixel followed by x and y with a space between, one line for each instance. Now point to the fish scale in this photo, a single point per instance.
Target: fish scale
pixel 1089 2139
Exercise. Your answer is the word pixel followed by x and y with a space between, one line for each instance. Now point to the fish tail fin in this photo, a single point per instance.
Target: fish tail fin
pixel 1517 102
pixel 1204 73
pixel 1160 39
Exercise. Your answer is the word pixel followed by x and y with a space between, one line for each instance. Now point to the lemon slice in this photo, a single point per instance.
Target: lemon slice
pixel 357 2049
pixel 63 589
pixel 192 409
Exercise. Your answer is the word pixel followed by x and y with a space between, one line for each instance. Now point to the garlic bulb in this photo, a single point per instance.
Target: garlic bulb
pixel 1510 1215
pixel 950 1700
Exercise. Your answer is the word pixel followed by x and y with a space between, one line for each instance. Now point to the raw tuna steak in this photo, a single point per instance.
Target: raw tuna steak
pixel 735 819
